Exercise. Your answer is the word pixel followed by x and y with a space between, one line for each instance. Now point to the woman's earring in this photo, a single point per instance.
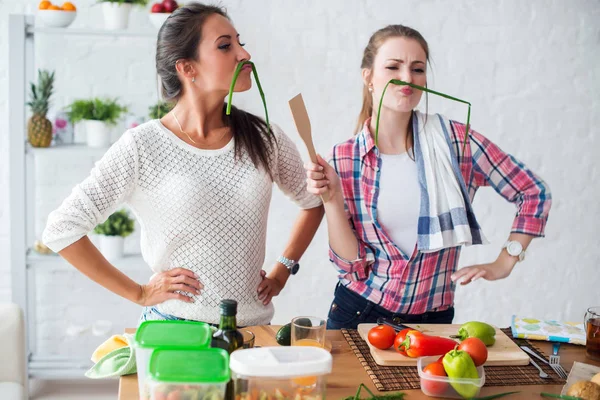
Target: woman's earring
pixel 193 79
pixel 371 88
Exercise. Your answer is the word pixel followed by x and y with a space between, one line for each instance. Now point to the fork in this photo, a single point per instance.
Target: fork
pixel 555 361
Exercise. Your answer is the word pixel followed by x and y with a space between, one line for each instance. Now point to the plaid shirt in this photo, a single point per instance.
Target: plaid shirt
pixel 418 283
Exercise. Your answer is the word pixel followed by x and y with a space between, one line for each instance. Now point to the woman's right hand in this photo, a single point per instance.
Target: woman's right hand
pixel 163 286
pixel 321 178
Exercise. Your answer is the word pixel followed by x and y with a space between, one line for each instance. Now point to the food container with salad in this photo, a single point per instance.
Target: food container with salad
pixel 152 335
pixel 280 373
pixel 188 374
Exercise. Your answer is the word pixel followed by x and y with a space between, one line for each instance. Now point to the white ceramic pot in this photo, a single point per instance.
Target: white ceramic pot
pixel 97 133
pixel 112 247
pixel 116 16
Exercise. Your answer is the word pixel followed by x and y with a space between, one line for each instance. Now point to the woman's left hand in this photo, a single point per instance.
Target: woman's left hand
pixel 268 288
pixel 491 272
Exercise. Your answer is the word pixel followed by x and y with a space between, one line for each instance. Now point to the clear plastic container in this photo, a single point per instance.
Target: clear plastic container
pixel 440 386
pixel 188 374
pixel 159 334
pixel 282 373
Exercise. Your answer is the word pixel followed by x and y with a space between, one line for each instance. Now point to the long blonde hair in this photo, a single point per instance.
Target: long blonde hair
pixel 375 42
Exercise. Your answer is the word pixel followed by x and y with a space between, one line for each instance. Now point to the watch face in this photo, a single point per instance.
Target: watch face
pixel 294 269
pixel 514 248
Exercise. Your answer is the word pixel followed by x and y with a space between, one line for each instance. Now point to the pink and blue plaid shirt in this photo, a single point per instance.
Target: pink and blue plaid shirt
pixel 420 282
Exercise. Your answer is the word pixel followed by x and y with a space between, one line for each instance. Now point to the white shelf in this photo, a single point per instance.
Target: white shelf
pixel 67 149
pixel 56 262
pixel 91 32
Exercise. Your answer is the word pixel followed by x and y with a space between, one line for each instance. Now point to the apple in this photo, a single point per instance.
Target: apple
pixel 169 5
pixel 157 8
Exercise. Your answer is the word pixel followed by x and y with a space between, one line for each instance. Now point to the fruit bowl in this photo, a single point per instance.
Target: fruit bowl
pixel 56 18
pixel 158 19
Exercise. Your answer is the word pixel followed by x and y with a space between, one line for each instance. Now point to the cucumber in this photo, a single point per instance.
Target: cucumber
pixel 284 334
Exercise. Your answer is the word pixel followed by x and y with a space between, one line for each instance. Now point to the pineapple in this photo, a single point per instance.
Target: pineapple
pixel 39 128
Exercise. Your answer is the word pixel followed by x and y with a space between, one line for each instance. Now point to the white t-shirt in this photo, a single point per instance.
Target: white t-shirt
pixel 203 210
pixel 399 200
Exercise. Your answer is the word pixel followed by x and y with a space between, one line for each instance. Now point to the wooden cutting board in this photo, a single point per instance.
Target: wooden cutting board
pixel 503 352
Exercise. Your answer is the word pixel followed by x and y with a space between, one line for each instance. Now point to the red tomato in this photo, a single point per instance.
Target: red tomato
pixel 439 360
pixel 382 336
pixel 399 339
pixel 434 387
pixel 476 349
pixel 157 8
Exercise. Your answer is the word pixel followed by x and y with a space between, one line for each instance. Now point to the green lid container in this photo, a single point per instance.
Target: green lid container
pixel 190 366
pixel 154 334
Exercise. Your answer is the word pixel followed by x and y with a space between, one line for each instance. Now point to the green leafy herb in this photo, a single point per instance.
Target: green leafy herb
pixel 106 110
pixel 234 80
pixel 118 224
pixel 495 396
pixel 402 83
pixel 560 396
pixel 391 396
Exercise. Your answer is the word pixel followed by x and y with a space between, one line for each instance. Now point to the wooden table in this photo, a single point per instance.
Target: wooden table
pixel 348 373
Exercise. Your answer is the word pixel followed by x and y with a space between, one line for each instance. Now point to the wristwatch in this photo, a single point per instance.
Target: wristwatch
pixel 291 265
pixel 515 249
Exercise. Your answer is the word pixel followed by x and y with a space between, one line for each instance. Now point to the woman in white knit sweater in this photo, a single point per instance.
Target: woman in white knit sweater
pixel 199 183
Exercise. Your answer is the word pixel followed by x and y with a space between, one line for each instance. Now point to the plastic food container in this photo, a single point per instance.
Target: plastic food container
pixel 166 334
pixel 440 386
pixel 281 373
pixel 188 374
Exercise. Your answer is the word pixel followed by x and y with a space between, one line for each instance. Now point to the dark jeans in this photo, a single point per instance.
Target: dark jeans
pixel 350 309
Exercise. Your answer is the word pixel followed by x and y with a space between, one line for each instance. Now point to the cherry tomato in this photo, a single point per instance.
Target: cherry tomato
pixel 382 336
pixel 434 387
pixel 476 349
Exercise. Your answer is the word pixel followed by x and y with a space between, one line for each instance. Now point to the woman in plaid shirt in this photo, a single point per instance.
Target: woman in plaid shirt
pixel 373 231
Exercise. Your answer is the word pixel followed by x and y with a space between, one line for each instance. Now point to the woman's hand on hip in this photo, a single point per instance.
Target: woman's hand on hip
pixel 268 288
pixel 170 285
pixel 321 178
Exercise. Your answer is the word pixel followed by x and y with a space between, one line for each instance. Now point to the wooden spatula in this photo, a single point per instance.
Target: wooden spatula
pixel 302 122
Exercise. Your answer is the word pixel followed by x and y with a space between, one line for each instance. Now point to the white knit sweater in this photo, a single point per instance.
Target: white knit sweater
pixel 198 209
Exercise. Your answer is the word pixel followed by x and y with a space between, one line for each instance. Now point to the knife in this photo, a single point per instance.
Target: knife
pixel 533 353
pixel 398 327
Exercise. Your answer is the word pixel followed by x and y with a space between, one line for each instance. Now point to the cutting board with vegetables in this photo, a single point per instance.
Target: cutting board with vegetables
pixel 503 352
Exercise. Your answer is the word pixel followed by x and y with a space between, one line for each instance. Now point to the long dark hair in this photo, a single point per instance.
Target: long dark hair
pixel 375 42
pixel 178 38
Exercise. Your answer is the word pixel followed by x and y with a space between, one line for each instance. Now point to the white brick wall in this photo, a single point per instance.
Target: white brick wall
pixel 529 69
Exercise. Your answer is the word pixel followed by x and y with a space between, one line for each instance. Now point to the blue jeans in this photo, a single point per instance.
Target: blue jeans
pixel 350 309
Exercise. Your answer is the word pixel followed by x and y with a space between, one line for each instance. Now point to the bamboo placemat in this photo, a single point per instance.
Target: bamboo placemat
pixel 404 378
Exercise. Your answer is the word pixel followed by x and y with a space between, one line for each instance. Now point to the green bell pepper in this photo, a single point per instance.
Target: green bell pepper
pixel 458 364
pixel 480 330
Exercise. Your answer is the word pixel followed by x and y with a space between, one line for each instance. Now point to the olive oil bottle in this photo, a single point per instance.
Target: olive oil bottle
pixel 228 337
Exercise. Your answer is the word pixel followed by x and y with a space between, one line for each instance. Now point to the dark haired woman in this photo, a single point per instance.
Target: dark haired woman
pixel 199 182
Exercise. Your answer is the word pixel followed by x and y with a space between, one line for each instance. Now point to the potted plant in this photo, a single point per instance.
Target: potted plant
pixel 160 109
pixel 113 232
pixel 39 128
pixel 116 12
pixel 97 115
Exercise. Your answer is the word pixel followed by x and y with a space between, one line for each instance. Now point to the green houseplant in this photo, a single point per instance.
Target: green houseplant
pixel 97 116
pixel 160 109
pixel 116 12
pixel 113 232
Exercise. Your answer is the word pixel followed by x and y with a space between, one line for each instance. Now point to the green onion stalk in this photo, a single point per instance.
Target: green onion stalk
pixel 402 83
pixel 234 80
